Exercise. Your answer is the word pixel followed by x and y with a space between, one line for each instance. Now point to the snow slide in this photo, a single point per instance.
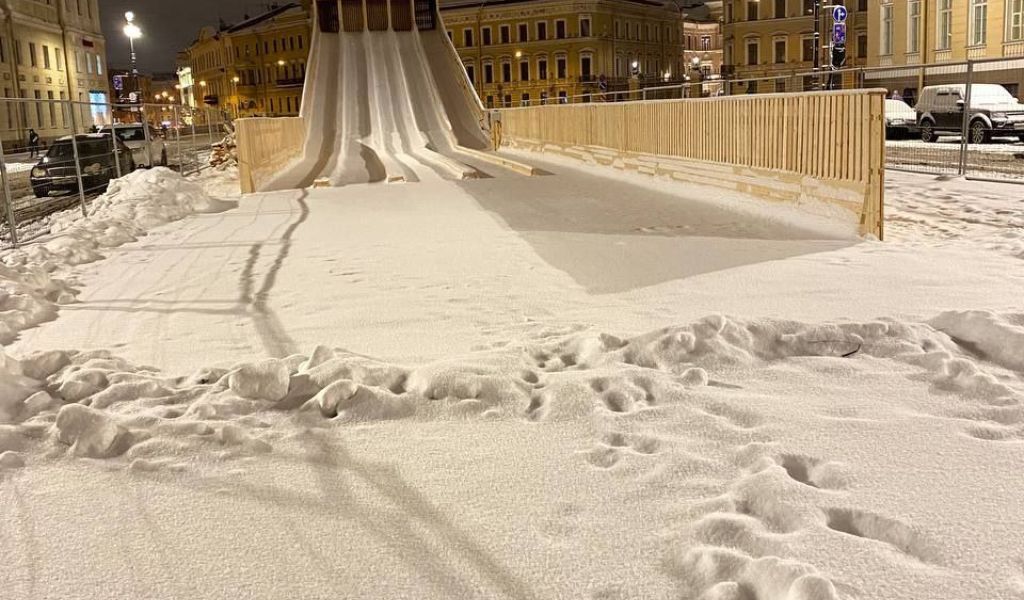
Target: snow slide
pixel 384 103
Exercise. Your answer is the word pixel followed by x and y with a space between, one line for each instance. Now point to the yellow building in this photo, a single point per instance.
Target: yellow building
pixel 520 51
pixel 51 51
pixel 776 39
pixel 702 43
pixel 927 42
pixel 256 67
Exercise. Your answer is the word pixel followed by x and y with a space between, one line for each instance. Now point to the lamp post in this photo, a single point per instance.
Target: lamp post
pixel 133 32
pixel 237 100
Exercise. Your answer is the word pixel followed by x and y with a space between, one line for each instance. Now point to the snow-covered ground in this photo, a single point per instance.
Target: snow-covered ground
pixel 584 385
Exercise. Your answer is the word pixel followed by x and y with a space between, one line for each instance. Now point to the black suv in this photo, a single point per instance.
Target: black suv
pixel 56 171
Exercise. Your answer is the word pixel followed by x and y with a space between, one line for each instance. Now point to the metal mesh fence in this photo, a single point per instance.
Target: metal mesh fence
pixel 926 129
pixel 57 155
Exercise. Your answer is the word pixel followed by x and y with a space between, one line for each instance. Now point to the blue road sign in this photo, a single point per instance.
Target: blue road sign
pixel 839 34
pixel 839 14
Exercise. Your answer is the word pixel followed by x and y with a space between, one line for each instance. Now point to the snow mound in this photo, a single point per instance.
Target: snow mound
pixel 134 204
pixel 994 337
pixel 91 433
pixel 103 405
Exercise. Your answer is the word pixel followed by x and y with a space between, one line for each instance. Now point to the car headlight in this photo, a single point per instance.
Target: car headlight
pixel 39 172
pixel 998 116
pixel 93 169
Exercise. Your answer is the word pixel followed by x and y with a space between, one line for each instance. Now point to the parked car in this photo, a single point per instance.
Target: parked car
pixel 900 119
pixel 993 111
pixel 147 154
pixel 56 172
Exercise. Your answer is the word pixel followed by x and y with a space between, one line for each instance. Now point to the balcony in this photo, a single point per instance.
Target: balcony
pixel 291 83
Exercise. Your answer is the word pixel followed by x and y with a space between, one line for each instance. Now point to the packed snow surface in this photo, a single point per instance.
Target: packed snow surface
pixel 476 390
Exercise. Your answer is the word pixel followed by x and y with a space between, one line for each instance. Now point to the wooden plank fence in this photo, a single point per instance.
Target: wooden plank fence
pixel 265 145
pixel 827 147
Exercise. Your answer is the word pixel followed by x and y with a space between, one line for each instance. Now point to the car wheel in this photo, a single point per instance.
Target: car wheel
pixel 928 133
pixel 979 133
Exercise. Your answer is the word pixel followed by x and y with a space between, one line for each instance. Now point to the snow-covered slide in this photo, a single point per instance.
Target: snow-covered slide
pixel 386 98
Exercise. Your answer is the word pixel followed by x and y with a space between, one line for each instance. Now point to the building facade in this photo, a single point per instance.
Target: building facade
pixel 927 42
pixel 527 51
pixel 51 50
pixel 702 44
pixel 256 67
pixel 774 40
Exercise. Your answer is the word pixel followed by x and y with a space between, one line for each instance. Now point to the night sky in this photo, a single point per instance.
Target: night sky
pixel 167 27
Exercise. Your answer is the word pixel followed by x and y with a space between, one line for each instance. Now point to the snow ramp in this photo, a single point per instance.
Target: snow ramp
pixel 386 98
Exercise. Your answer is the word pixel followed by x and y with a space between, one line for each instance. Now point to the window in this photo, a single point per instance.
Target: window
pixel 1015 20
pixel 33 59
pixel 753 52
pixel 584 26
pixel 705 43
pixel 490 102
pixel 563 97
pixel 560 29
pixel 914 26
pixel 807 49
pixel 524 32
pixel 944 37
pixel 506 72
pixel 467 38
pixel 524 70
pixel 542 68
pixel 808 7
pixel 618 29
pixel 53 109
pixel 886 40
pixel 780 9
pixel 470 73
pixel 525 100
pixel 508 100
pixel 862 45
pixel 561 67
pixel 488 73
pixel 752 9
pixel 979 22
pixel 485 36
pixel 505 34
pixel 780 51
pixel 99 64
pixel 542 31
pixel 586 67
pixel 46 57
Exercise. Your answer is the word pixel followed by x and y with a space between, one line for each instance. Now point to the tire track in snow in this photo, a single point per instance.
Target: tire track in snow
pixel 273 336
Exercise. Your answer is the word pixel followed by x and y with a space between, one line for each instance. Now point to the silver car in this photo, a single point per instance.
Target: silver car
pixel 147 154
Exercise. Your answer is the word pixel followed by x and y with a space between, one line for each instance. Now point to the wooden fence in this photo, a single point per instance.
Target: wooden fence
pixel 265 145
pixel 818 150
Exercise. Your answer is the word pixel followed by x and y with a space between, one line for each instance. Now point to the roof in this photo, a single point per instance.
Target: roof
pixel 270 14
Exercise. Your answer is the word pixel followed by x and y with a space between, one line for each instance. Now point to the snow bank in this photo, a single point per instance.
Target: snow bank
pixel 30 285
pixel 102 405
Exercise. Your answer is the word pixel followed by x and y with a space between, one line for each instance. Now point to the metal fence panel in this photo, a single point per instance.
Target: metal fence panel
pixel 45 169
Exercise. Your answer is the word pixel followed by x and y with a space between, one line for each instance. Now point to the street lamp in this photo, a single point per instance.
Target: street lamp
pixel 133 32
pixel 237 101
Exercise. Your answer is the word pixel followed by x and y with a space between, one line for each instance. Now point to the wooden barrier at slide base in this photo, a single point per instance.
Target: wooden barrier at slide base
pixel 821 151
pixel 265 145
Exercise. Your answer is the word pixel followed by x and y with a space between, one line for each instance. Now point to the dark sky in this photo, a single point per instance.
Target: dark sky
pixel 167 27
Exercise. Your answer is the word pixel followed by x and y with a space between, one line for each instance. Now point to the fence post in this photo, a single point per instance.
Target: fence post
pixel 209 126
pixel 966 123
pixel 146 133
pixel 177 137
pixel 8 204
pixel 113 134
pixel 194 135
pixel 78 162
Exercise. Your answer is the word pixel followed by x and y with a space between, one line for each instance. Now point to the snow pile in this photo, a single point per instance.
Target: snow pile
pixel 131 206
pixel 29 287
pixel 996 338
pixel 103 405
